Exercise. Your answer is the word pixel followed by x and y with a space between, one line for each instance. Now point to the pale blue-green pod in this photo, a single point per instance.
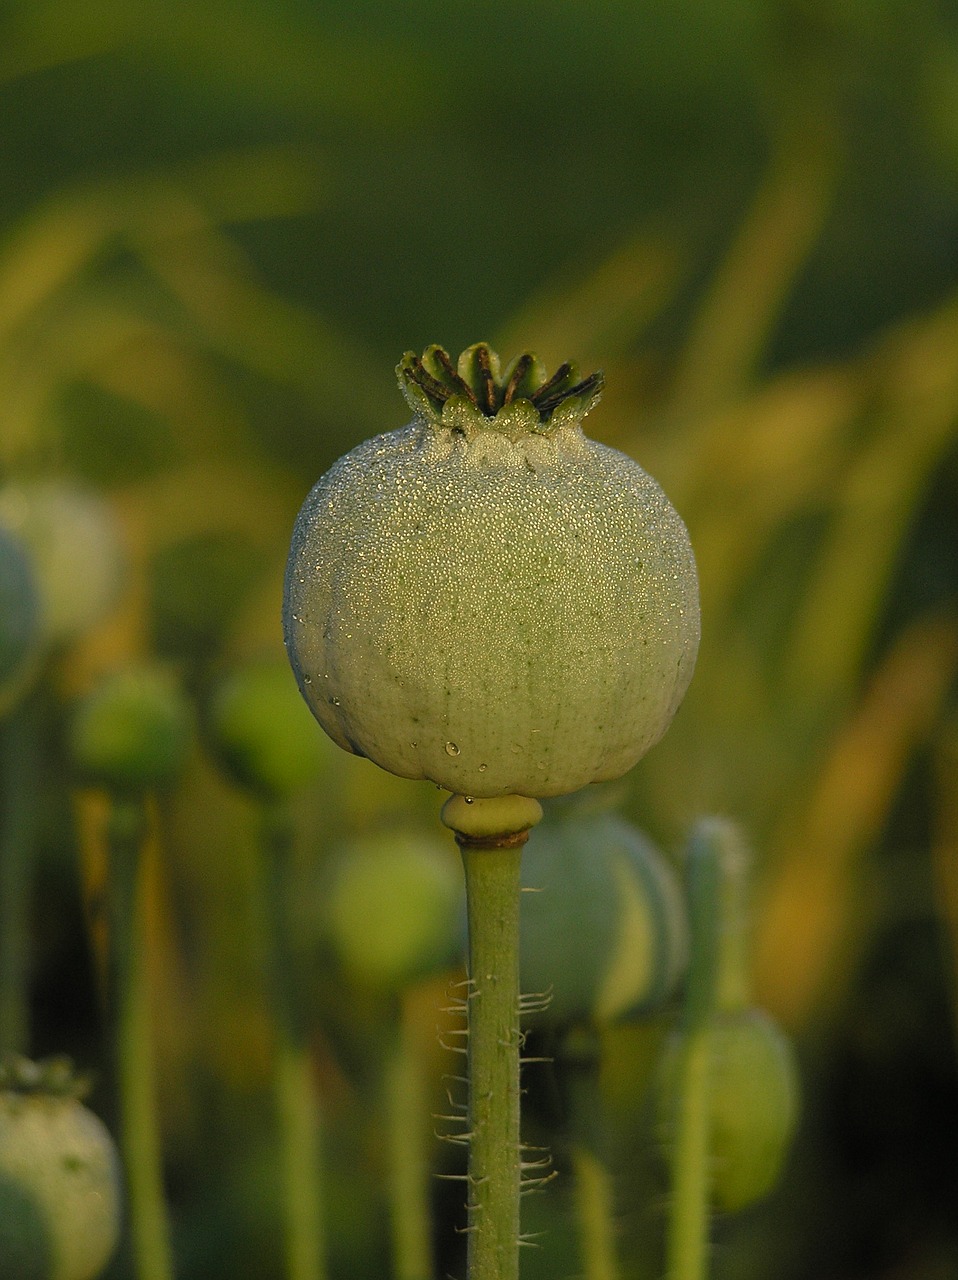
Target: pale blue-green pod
pixel 77 550
pixel 604 932
pixel 486 598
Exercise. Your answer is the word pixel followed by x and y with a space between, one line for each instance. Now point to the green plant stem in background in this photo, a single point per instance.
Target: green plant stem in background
pixel 593 1202
pixel 133 1043
pixel 294 1085
pixel 689 1214
pixel 577 1067
pixel 405 1104
pixel 19 814
pixel 717 982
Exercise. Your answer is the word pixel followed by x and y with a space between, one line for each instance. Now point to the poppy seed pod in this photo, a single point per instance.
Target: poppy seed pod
pixel 76 548
pixel 132 731
pixel 263 735
pixel 393 907
pixel 753 1104
pixel 59 1177
pixel 604 929
pixel 486 598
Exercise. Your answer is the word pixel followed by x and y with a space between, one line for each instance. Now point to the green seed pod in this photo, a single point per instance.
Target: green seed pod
pixel 604 927
pixel 394 908
pixel 487 598
pixel 753 1104
pixel 132 731
pixel 19 618
pixel 59 1179
pixel 75 543
pixel 263 735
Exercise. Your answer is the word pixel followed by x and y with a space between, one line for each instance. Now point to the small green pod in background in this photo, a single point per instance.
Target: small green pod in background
pixel 603 926
pixel 76 545
pixel 263 734
pixel 59 1177
pixel 753 1105
pixel 393 909
pixel 132 731
pixel 19 618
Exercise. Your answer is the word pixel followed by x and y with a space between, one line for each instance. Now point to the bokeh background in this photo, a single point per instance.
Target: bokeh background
pixel 221 225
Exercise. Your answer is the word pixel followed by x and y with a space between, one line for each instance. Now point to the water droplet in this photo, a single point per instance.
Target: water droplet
pixel 451 749
pixel 482 768
pixel 334 701
pixel 468 799
pixel 414 744
pixel 307 679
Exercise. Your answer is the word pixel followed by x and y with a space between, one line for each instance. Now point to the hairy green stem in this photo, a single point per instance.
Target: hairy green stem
pixel 490 834
pixel 133 1043
pixel 408 1181
pixel 19 788
pixel 294 1087
pixel 492 898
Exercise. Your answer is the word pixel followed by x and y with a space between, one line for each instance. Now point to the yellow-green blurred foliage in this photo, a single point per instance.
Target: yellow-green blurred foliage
pixel 221 225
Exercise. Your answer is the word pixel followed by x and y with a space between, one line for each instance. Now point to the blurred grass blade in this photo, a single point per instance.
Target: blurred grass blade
pixel 809 910
pixel 238 47
pixel 66 313
pixel 243 320
pixel 247 184
pixel 916 422
pixel 602 312
pixel 945 852
pixel 748 291
pixel 758 464
pixel 49 249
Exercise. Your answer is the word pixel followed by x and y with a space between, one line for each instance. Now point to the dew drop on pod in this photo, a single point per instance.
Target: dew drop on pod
pixel 19 618
pixel 76 546
pixel 604 930
pixel 487 598
pixel 59 1177
pixel 393 908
